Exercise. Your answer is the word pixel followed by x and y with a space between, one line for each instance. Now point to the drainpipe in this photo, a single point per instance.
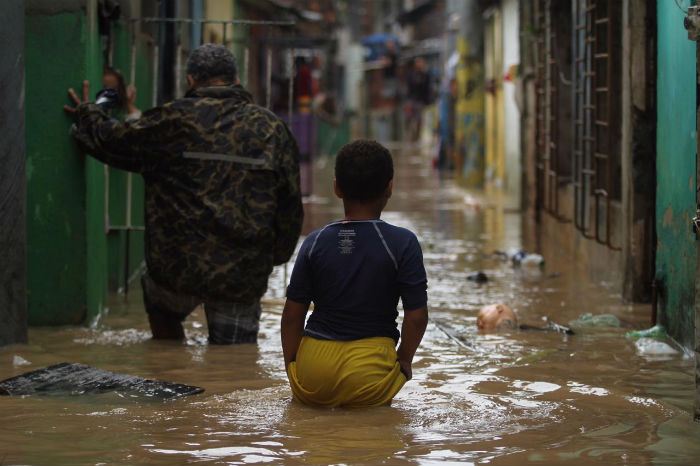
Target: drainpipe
pixel 197 9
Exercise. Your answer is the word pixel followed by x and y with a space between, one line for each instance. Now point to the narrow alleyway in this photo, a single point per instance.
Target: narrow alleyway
pixel 511 398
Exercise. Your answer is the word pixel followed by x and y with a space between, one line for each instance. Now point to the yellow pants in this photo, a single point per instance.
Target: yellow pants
pixel 351 374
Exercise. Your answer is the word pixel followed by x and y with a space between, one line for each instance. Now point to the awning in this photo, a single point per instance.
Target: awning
pixel 280 9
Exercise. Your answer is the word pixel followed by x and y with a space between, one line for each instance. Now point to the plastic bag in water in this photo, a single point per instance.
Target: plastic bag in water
pixel 650 347
pixel 588 320
pixel 657 331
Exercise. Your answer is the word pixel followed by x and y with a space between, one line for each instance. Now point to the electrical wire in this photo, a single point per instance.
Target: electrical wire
pixel 680 7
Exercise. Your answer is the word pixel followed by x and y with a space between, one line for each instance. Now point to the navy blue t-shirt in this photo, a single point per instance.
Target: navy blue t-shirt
pixel 355 272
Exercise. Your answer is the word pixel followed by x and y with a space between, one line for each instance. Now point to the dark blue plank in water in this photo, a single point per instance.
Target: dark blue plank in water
pixel 78 379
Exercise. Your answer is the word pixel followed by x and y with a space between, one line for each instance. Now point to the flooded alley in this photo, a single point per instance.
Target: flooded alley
pixel 516 397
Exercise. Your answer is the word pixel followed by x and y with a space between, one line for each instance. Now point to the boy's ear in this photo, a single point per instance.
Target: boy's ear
pixel 389 189
pixel 336 189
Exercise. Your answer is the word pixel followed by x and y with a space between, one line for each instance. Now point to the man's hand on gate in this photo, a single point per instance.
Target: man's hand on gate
pixel 76 99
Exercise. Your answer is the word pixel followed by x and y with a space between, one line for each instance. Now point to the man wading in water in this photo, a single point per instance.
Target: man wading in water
pixel 355 271
pixel 223 203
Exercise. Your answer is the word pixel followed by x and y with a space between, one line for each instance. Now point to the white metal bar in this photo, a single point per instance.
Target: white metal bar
pixel 132 59
pixel 129 187
pixel 106 170
pixel 290 99
pixel 156 57
pixel 178 62
pixel 268 76
pixel 246 64
pixel 132 81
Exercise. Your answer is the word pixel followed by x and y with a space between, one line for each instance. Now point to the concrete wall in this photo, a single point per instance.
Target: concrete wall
pixel 628 271
pixel 13 294
pixel 511 57
pixel 676 183
pixel 638 145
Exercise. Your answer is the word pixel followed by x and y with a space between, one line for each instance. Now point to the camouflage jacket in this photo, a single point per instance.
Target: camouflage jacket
pixel 223 203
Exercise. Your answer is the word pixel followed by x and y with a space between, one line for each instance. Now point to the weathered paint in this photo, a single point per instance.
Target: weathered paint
pixel 511 58
pixel 13 243
pixel 495 106
pixel 675 201
pixel 56 223
pixel 67 253
pixel 469 129
pixel 96 282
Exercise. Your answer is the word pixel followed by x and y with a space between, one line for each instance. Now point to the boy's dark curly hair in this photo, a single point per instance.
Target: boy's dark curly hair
pixel 363 169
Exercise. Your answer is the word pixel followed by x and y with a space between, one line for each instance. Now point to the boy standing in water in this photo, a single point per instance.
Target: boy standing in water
pixel 355 270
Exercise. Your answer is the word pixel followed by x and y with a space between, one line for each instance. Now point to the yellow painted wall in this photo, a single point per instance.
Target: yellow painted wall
pixel 469 127
pixel 495 118
pixel 221 10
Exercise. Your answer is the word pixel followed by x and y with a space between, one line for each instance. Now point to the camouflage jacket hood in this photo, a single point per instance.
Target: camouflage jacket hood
pixel 223 203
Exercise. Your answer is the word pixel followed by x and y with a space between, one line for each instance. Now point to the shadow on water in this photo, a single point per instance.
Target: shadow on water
pixel 511 398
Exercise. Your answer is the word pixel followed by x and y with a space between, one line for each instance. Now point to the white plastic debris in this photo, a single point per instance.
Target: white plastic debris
pixel 651 347
pixel 20 361
pixel 532 260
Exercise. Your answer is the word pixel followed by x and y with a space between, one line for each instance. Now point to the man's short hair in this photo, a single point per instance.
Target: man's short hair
pixel 363 169
pixel 210 61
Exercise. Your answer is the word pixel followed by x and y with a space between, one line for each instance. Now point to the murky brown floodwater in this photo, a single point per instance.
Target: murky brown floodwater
pixel 515 398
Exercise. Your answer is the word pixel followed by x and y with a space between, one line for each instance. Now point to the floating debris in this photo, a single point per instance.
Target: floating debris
pixel 550 327
pixel 78 379
pixel 452 333
pixel 520 257
pixel 657 331
pixel 478 277
pixel 20 361
pixel 589 320
pixel 651 347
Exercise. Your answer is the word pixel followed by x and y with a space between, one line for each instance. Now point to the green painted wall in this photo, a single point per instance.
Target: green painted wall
pixel 675 197
pixel 96 282
pixel 66 241
pixel 56 196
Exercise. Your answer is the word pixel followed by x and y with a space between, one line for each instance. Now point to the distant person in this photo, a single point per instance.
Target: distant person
pixel 114 79
pixel 419 91
pixel 223 203
pixel 390 60
pixel 448 142
pixel 354 271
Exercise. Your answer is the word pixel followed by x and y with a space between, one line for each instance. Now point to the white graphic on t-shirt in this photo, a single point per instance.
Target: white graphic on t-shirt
pixel 346 242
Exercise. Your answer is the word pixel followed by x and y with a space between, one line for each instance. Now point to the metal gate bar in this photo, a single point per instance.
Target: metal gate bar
pixel 582 138
pixel 592 107
pixel 541 105
pixel 603 145
pixel 547 132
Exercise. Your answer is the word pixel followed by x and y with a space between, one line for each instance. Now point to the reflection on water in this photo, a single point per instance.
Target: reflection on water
pixel 510 398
